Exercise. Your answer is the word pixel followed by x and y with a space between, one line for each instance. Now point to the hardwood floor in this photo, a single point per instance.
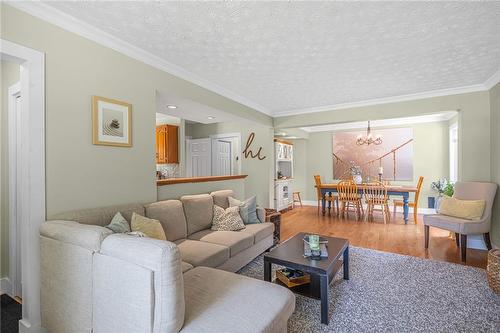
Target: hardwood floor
pixel 394 236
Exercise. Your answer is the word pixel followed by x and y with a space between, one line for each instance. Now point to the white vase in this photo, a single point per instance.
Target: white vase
pixel 437 202
pixel 357 179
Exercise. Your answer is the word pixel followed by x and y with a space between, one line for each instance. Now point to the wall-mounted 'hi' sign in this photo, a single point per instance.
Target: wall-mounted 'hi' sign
pixel 249 152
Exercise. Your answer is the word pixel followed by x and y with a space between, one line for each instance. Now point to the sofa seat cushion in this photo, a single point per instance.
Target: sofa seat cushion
pixel 186 266
pixel 236 241
pixel 259 230
pixel 455 224
pixel 220 301
pixel 199 253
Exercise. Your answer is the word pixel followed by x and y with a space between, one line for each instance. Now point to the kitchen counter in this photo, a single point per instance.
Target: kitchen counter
pixel 170 181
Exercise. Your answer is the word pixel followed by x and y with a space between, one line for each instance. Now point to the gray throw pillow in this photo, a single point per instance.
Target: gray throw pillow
pixel 118 224
pixel 248 209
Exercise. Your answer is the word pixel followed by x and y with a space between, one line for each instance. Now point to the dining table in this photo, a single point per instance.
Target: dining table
pixel 392 190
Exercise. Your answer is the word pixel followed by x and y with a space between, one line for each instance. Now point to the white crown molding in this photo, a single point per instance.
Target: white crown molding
pixel 67 22
pixel 384 100
pixel 493 80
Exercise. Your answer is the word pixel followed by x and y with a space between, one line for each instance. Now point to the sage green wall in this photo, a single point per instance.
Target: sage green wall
pixel 300 155
pixel 260 172
pixel 474 123
pixel 79 174
pixel 495 160
pixel 10 76
pixel 430 158
pixel 175 191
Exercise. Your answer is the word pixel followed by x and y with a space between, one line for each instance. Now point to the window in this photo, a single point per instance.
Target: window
pixel 454 152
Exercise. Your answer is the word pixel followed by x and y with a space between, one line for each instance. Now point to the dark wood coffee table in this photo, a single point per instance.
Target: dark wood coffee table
pixel 291 254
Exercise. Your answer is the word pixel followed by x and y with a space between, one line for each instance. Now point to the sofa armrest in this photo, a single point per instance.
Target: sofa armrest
pixel 87 236
pixel 261 214
pixel 139 255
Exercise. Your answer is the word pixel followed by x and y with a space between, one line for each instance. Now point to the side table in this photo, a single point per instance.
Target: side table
pixel 274 217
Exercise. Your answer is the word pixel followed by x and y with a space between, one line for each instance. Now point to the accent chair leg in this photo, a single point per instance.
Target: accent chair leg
pixel 426 235
pixel 487 240
pixel 463 247
pixel 415 214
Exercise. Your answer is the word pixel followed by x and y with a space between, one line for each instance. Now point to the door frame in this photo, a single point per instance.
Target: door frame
pixel 237 151
pixel 31 188
pixel 13 147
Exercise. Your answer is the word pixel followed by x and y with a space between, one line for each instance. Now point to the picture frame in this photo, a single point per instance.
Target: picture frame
pixel 111 122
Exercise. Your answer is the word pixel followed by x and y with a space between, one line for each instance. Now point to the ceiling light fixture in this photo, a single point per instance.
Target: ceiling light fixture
pixel 211 117
pixel 171 107
pixel 368 139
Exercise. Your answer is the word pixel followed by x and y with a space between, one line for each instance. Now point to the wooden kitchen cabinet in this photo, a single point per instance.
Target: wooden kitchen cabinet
pixel 167 144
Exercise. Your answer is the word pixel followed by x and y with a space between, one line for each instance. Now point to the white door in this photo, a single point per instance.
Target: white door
pixel 199 158
pixel 222 162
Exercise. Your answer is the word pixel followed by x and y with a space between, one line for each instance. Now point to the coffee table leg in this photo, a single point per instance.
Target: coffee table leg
pixel 346 263
pixel 324 298
pixel 267 270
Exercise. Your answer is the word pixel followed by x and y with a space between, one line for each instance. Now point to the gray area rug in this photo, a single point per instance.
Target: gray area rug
pixel 395 293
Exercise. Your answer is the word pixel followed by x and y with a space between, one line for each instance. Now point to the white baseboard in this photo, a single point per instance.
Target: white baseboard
pixel 5 286
pixel 26 327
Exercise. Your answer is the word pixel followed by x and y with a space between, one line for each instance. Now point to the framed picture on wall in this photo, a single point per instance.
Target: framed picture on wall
pixel 111 122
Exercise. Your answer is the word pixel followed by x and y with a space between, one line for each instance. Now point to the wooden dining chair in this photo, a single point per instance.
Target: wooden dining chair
pixel 376 195
pixel 414 204
pixel 328 198
pixel 348 196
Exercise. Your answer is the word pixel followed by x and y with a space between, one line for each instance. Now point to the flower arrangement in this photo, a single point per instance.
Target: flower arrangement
pixel 443 186
pixel 355 170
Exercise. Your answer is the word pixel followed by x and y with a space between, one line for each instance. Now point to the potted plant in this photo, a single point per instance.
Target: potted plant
pixel 442 187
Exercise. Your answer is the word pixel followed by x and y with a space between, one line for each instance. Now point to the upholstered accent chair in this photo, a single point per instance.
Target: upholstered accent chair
pixel 462 227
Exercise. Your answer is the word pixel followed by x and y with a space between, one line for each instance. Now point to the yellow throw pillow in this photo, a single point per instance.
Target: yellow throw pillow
pixel 150 227
pixel 464 209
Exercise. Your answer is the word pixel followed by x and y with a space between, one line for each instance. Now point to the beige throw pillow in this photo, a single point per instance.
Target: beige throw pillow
pixel 464 209
pixel 228 219
pixel 150 227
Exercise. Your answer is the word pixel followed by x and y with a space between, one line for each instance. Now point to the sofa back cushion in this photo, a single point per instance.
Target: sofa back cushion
pixel 171 216
pixel 199 212
pixel 221 197
pixel 100 216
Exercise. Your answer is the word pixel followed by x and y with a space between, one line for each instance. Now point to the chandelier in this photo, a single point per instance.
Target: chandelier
pixel 368 139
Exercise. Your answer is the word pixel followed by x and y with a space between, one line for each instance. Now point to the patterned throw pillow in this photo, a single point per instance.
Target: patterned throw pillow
pixel 150 227
pixel 118 224
pixel 228 219
pixel 248 209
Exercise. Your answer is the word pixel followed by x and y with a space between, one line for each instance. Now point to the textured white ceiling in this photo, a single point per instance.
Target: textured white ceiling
pixel 298 55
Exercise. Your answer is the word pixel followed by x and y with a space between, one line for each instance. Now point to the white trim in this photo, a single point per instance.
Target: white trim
pixel 493 80
pixel 403 121
pixel 5 286
pixel 32 171
pixel 14 144
pixel 384 100
pixel 72 24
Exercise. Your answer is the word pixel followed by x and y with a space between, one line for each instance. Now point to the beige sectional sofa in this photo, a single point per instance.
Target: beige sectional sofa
pixel 96 281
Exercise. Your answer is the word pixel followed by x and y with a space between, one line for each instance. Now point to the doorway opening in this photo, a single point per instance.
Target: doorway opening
pixel 26 177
